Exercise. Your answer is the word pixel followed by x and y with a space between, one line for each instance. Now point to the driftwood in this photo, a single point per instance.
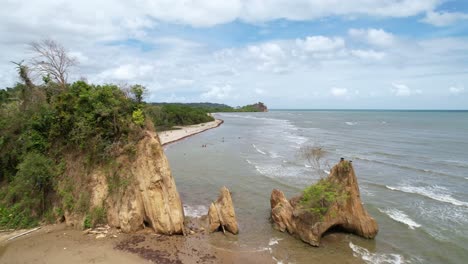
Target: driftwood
pixel 220 219
pixel 25 233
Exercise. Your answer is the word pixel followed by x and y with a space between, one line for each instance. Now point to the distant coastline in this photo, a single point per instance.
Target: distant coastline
pixel 183 132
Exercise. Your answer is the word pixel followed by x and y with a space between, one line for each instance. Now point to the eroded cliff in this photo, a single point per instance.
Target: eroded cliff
pixel 134 191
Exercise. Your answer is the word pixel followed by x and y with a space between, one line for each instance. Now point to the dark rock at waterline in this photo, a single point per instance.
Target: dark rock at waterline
pixel 345 213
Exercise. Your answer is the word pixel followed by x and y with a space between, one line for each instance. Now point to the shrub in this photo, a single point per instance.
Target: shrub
pixel 317 198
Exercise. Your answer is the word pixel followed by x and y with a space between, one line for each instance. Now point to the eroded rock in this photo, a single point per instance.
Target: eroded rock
pixel 138 192
pixel 221 213
pixel 344 213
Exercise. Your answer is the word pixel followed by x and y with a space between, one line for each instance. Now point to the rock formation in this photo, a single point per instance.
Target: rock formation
pixel 344 213
pixel 138 192
pixel 221 214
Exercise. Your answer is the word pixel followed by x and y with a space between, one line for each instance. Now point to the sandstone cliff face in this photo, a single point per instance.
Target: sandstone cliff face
pixel 348 215
pixel 221 213
pixel 140 191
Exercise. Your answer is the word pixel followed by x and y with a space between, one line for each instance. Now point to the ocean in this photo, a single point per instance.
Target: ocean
pixel 412 168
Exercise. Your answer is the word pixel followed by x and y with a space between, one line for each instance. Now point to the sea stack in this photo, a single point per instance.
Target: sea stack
pixel 221 215
pixel 332 203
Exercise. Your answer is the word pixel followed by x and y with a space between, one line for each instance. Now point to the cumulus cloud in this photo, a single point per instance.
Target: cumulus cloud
pixel 442 19
pixel 217 92
pixel 376 37
pixel 368 54
pixel 339 91
pixel 403 90
pixel 320 43
pixel 456 90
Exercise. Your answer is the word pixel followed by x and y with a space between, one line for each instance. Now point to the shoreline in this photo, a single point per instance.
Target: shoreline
pixel 171 136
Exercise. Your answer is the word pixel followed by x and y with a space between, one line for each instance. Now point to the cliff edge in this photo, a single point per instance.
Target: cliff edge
pixel 135 191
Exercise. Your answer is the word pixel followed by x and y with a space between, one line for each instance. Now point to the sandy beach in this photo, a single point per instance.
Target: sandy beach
pixel 182 132
pixel 60 244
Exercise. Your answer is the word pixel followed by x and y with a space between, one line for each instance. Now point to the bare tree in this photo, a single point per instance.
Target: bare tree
pixel 314 155
pixel 53 60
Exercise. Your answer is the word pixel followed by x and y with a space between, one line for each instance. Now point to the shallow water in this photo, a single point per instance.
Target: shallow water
pixel 412 168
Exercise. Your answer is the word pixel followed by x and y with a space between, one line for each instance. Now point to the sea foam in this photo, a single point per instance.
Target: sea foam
pixel 433 192
pixel 375 258
pixel 195 211
pixel 258 150
pixel 401 217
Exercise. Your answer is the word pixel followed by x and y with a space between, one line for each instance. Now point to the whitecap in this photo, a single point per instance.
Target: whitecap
pixel 274 241
pixel 274 155
pixel 195 211
pixel 351 123
pixel 248 161
pixel 258 150
pixel 375 258
pixel 433 192
pixel 307 166
pixel 401 217
pixel 326 171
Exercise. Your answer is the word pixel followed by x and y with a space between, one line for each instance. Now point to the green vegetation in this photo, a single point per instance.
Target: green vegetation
pixel 41 124
pixel 318 197
pixel 169 115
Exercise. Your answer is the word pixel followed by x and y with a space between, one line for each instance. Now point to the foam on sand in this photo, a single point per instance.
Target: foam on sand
pixel 401 217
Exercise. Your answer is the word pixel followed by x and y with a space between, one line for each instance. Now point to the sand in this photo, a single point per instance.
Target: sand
pixel 182 132
pixel 59 244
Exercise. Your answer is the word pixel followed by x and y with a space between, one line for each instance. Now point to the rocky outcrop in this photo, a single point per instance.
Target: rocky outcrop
pixel 138 191
pixel 261 107
pixel 345 213
pixel 221 214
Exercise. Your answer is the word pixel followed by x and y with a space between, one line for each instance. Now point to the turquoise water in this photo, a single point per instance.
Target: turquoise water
pixel 412 167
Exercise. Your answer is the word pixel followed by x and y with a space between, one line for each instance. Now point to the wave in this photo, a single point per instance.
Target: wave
pixel 405 167
pixel 274 155
pixel 375 258
pixel 307 166
pixel 299 140
pixel 433 192
pixel 326 171
pixel 401 217
pixel 248 161
pixel 351 123
pixel 195 211
pixel 258 150
pixel 274 241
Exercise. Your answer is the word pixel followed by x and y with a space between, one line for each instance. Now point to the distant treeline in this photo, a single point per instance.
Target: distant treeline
pixel 167 115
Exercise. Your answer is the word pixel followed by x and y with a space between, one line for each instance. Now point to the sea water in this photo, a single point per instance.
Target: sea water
pixel 412 168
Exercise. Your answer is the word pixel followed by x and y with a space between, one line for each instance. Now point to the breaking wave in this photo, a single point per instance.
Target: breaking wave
pixel 401 217
pixel 375 258
pixel 433 192
pixel 258 150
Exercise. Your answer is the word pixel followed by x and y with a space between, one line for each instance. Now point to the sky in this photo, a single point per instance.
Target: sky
pixel 314 54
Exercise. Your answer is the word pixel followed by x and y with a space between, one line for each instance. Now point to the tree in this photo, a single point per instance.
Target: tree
pixel 138 91
pixel 314 156
pixel 52 60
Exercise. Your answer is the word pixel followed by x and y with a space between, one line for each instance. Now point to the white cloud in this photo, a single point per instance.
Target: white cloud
pixel 442 19
pixel 368 54
pixel 320 43
pixel 456 90
pixel 217 92
pixel 339 91
pixel 403 90
pixel 377 37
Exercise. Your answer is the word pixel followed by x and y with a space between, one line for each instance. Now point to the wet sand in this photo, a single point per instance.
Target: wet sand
pixel 182 132
pixel 59 244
